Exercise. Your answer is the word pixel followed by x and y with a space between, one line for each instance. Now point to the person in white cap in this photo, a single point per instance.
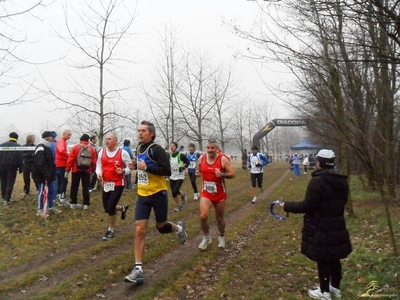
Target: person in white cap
pixel 325 238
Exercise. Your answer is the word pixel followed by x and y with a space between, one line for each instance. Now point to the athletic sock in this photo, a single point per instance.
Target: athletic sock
pixel 138 265
pixel 111 229
pixel 179 229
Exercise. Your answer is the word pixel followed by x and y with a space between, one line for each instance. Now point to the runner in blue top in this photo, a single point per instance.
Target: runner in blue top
pixel 193 157
pixel 256 162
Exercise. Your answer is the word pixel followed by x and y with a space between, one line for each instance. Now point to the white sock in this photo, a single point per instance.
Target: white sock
pixel 138 265
pixel 179 229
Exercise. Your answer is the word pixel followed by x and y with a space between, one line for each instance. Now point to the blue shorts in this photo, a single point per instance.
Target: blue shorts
pixel 158 201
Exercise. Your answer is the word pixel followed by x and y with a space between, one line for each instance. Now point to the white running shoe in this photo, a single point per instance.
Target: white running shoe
pixel 221 242
pixel 204 242
pixel 316 294
pixel 335 292
pixel 196 196
pixel 254 200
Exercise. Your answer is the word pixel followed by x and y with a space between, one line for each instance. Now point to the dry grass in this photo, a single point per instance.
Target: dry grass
pixel 65 258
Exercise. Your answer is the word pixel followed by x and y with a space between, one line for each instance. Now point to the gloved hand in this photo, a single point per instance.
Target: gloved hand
pixel 258 165
pixel 66 175
pixel 20 171
pixel 181 169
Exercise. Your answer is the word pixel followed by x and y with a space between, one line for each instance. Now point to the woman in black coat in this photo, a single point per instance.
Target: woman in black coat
pixel 325 238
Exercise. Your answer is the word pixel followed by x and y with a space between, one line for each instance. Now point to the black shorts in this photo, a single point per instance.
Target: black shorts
pixel 256 177
pixel 111 199
pixel 158 201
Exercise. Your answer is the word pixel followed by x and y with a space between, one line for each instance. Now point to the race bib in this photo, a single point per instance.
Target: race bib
pixel 210 187
pixel 109 186
pixel 143 179
pixel 192 165
pixel 174 171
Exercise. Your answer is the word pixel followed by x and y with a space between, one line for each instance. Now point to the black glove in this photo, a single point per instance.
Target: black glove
pixel 20 171
pixel 181 169
pixel 258 165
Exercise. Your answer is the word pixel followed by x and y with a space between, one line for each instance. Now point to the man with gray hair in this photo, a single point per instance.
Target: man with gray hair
pixel 214 166
pixel 112 165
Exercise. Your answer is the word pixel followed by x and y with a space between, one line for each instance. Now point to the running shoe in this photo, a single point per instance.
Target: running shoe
pixel 254 200
pixel 204 242
pixel 136 276
pixel 123 211
pixel 221 242
pixel 182 236
pixel 317 294
pixel 109 235
pixel 179 208
pixel 184 198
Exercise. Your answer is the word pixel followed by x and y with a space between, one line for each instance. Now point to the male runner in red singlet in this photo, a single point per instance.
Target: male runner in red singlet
pixel 214 167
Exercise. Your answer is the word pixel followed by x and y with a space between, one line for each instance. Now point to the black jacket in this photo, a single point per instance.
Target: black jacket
pixel 44 167
pixel 324 233
pixel 11 160
pixel 29 155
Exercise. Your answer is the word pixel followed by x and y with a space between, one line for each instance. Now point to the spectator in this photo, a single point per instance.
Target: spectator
pixel 295 161
pixel 44 174
pixel 325 238
pixel 62 152
pixel 10 163
pixel 306 163
pixel 93 176
pixel 80 174
pixel 28 157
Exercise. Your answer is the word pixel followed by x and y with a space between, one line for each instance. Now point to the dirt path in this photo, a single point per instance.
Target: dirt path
pixel 159 269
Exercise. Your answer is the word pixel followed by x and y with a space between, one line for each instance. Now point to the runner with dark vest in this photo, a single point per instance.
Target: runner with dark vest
pixel 152 167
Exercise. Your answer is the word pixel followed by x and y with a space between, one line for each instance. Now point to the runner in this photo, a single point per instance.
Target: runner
pixel 256 162
pixel 193 157
pixel 214 167
pixel 152 167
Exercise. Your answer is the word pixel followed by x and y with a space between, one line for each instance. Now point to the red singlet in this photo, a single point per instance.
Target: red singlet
pixel 213 187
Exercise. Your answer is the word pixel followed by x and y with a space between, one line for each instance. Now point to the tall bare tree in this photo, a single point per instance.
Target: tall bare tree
pixel 98 32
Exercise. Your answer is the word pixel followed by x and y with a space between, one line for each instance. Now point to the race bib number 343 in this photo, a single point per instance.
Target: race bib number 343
pixel 210 186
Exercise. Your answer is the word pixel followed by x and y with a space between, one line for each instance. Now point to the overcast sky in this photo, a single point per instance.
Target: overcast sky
pixel 201 27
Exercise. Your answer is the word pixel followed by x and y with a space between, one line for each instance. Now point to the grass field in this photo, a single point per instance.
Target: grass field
pixel 64 257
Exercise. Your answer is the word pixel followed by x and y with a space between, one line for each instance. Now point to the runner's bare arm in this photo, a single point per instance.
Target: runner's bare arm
pixel 198 172
pixel 229 171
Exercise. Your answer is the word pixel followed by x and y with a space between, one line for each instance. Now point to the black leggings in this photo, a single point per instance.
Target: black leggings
pixel 193 177
pixel 175 186
pixel 329 272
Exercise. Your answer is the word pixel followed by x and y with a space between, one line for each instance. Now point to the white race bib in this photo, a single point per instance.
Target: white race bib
pixel 210 187
pixel 192 165
pixel 143 179
pixel 109 186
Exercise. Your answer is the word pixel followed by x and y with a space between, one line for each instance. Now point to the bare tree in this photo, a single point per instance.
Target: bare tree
pixel 344 61
pixel 11 38
pixel 162 97
pixel 97 32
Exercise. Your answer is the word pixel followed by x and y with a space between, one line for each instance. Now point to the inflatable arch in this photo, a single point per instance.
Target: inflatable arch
pixel 277 122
